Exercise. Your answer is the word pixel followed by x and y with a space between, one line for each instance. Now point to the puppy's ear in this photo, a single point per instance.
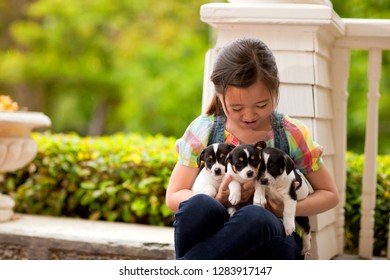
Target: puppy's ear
pixel 227 161
pixel 290 165
pixel 200 159
pixel 260 145
pixel 298 179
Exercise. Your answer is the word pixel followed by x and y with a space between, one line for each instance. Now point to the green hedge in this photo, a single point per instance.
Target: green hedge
pixel 123 177
pixel 355 164
pixel 116 178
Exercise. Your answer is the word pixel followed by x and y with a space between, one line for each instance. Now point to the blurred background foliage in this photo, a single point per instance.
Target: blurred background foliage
pixel 98 67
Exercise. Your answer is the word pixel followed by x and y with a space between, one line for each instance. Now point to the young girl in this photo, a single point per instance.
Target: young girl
pixel 246 82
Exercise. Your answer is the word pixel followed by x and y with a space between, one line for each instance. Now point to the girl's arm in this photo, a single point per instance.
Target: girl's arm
pixel 179 186
pixel 324 197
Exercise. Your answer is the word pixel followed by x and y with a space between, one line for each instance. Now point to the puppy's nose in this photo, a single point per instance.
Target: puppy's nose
pixel 250 173
pixel 264 181
pixel 217 171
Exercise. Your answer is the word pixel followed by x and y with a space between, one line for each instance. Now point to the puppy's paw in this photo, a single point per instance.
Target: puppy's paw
pixel 289 230
pixel 210 191
pixel 259 201
pixel 234 198
pixel 259 196
pixel 305 248
pixel 306 243
pixel 289 227
pixel 231 211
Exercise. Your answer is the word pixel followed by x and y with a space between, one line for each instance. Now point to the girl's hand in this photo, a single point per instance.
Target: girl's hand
pixel 247 191
pixel 276 207
pixel 223 191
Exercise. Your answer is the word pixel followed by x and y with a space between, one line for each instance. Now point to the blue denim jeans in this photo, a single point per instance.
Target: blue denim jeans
pixel 204 230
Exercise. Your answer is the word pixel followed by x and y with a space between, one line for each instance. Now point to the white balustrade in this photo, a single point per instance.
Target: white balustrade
pixel 372 35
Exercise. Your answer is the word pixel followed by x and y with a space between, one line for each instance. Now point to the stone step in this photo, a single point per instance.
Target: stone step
pixel 36 237
pixel 46 238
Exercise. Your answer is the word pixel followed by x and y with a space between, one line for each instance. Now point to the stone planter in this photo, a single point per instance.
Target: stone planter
pixel 17 147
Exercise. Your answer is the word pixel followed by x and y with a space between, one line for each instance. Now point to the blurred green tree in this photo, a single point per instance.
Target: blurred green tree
pixel 138 62
pixel 97 67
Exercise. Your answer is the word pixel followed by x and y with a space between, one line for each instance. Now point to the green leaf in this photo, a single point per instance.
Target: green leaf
pixel 88 185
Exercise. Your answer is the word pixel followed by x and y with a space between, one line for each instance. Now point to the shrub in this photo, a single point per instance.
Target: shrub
pixel 123 177
pixel 116 178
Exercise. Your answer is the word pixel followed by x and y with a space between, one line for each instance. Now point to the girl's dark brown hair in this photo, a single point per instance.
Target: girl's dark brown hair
pixel 240 64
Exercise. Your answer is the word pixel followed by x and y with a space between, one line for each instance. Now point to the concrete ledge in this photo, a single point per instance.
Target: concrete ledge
pixel 35 237
pixel 46 238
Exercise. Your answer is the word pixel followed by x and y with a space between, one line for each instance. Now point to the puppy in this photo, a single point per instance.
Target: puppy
pixel 277 175
pixel 211 162
pixel 242 163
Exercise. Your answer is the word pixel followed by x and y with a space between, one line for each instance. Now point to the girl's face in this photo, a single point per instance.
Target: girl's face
pixel 249 108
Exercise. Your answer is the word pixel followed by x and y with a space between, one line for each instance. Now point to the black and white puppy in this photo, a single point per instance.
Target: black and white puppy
pixel 242 163
pixel 277 176
pixel 211 162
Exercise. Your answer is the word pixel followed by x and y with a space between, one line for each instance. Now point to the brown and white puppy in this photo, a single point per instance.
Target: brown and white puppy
pixel 211 162
pixel 243 163
pixel 277 175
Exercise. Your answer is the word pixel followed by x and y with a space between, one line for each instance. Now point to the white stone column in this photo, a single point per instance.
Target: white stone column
pixel 340 72
pixel 17 148
pixel 301 35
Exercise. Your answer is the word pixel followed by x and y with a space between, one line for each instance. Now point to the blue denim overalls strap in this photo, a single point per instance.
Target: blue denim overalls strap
pixel 218 132
pixel 280 139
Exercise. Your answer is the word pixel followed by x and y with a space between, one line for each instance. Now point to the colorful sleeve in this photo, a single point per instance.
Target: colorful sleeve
pixel 306 153
pixel 194 140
